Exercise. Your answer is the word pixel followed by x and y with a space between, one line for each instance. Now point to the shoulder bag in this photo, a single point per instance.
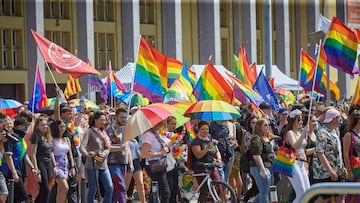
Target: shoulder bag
pixel 160 164
pixel 285 160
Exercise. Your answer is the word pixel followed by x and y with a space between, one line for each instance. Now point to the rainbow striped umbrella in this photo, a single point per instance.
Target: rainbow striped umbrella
pixel 212 110
pixel 178 114
pixel 88 103
pixel 145 118
pixel 9 104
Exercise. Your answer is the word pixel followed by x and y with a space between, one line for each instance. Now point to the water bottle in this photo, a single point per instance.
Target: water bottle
pixel 273 194
pixel 82 103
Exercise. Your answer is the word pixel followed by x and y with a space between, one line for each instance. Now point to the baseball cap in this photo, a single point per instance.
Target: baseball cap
pixel 20 121
pixel 264 105
pixel 301 107
pixel 283 110
pixel 330 115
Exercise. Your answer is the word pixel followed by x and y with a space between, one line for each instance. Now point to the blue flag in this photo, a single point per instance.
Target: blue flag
pixel 262 86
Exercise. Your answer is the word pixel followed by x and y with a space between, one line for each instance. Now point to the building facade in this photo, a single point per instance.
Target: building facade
pixel 196 30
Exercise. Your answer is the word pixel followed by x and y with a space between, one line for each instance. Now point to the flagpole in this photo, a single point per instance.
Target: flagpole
pixel 51 74
pixel 33 92
pixel 313 85
pixel 298 91
pixel 327 84
pixel 133 77
pixel 111 92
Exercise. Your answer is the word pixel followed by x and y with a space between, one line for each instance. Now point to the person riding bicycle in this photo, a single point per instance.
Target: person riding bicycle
pixel 204 150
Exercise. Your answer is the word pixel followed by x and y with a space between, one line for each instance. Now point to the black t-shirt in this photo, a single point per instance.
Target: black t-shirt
pixel 208 158
pixel 44 148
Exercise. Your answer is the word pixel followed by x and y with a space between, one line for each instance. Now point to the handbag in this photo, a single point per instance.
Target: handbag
pixel 285 160
pixel 160 164
pixel 354 160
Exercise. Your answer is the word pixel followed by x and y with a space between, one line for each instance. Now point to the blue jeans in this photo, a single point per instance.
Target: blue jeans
pixel 118 173
pixel 226 167
pixel 104 176
pixel 262 184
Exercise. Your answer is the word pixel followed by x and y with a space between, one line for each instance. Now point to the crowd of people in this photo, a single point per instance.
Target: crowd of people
pixel 47 156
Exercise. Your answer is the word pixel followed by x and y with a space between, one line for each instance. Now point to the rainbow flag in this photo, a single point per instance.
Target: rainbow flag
pixel 96 85
pixel 253 96
pixel 341 45
pixel 356 97
pixel 174 68
pixel 181 89
pixel 19 153
pixel 242 69
pixel 333 87
pixel 150 74
pixel 321 65
pixel 115 87
pixel 190 131
pixel 213 86
pixel 192 77
pixel 307 63
pixel 38 98
pixel 307 72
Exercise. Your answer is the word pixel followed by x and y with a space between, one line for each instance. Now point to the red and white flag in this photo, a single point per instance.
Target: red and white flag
pixel 62 60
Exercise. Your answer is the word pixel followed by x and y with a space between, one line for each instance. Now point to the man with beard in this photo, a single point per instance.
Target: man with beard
pixel 120 156
pixel 16 158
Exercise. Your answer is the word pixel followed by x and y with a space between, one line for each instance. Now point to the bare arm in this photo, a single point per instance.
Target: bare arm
pixel 146 153
pixel 10 164
pixel 291 139
pixel 326 165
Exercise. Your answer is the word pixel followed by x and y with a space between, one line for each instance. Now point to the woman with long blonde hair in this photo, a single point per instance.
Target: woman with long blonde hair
pixel 42 157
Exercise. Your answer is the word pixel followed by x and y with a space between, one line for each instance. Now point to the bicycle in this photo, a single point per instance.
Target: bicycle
pixel 213 185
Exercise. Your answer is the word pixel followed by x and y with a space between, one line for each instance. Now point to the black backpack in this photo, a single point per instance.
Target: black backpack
pixel 245 161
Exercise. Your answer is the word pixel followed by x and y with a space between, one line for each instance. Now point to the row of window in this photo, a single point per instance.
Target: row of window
pixel 104 10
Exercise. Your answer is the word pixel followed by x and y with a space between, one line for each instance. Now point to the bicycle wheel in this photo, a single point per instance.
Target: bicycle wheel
pixel 222 192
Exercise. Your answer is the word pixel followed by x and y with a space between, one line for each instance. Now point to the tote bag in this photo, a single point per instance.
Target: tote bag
pixel 285 160
pixel 354 160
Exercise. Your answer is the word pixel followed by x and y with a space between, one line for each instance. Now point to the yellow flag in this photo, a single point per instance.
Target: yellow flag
pixel 356 98
pixel 72 87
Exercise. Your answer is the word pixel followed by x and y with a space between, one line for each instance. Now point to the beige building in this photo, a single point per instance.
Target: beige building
pixel 191 30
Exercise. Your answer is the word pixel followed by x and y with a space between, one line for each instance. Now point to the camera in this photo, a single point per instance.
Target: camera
pixel 10 137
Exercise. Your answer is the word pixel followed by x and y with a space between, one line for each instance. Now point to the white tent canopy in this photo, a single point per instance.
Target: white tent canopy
pixel 280 79
pixel 126 75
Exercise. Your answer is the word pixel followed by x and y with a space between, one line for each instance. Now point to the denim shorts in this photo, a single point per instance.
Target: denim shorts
pixel 3 187
pixel 137 166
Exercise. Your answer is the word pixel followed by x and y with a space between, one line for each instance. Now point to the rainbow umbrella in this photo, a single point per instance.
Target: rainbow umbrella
pixel 212 110
pixel 88 103
pixel 9 104
pixel 178 114
pixel 145 118
pixel 287 95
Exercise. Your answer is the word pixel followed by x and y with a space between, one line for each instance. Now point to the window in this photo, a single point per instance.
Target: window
pixel 15 59
pixel 3 7
pixel 104 10
pixel 58 9
pixel 224 52
pixel 223 14
pixel 11 49
pixel 147 11
pixel 11 7
pixel 105 46
pixel 5 38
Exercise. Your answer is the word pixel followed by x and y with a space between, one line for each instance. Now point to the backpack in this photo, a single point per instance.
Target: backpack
pixel 224 149
pixel 245 161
